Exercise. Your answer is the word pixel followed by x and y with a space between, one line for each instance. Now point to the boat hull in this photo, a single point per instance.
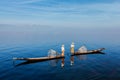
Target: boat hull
pixel 88 52
pixel 39 58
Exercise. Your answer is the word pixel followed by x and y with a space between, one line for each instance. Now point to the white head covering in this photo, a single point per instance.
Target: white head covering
pixel 72 45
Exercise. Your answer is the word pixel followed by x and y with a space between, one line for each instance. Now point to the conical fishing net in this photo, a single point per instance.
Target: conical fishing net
pixel 82 49
pixel 52 53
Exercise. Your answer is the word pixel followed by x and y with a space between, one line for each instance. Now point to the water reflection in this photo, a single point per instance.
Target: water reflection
pixel 72 60
pixel 53 62
pixel 81 57
pixel 62 62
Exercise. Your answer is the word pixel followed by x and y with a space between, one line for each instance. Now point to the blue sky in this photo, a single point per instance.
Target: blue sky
pixel 83 13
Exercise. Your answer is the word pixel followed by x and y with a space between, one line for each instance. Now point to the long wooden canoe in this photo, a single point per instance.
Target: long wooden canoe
pixel 88 52
pixel 40 58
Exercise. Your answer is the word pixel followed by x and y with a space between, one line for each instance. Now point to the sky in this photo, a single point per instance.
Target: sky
pixel 82 13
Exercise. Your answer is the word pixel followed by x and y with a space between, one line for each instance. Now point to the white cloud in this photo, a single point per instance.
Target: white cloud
pixel 66 13
pixel 62 8
pixel 29 1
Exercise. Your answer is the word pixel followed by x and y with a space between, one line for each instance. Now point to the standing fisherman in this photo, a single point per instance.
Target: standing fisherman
pixel 72 52
pixel 62 50
pixel 72 48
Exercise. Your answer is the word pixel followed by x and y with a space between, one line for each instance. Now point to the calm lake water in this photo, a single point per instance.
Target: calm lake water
pixel 35 42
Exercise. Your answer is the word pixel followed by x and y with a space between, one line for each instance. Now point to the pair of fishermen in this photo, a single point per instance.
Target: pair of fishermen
pixel 62 54
pixel 71 49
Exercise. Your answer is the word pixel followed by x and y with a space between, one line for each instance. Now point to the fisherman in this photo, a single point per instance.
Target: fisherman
pixel 72 48
pixel 62 50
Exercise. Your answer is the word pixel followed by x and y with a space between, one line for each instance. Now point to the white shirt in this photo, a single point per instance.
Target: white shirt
pixel 62 48
pixel 72 45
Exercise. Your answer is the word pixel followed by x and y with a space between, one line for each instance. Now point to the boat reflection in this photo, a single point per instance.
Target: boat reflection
pixel 53 62
pixel 62 62
pixel 81 57
pixel 72 60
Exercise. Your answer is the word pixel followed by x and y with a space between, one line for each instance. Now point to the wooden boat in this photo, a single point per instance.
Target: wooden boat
pixel 88 52
pixel 40 58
